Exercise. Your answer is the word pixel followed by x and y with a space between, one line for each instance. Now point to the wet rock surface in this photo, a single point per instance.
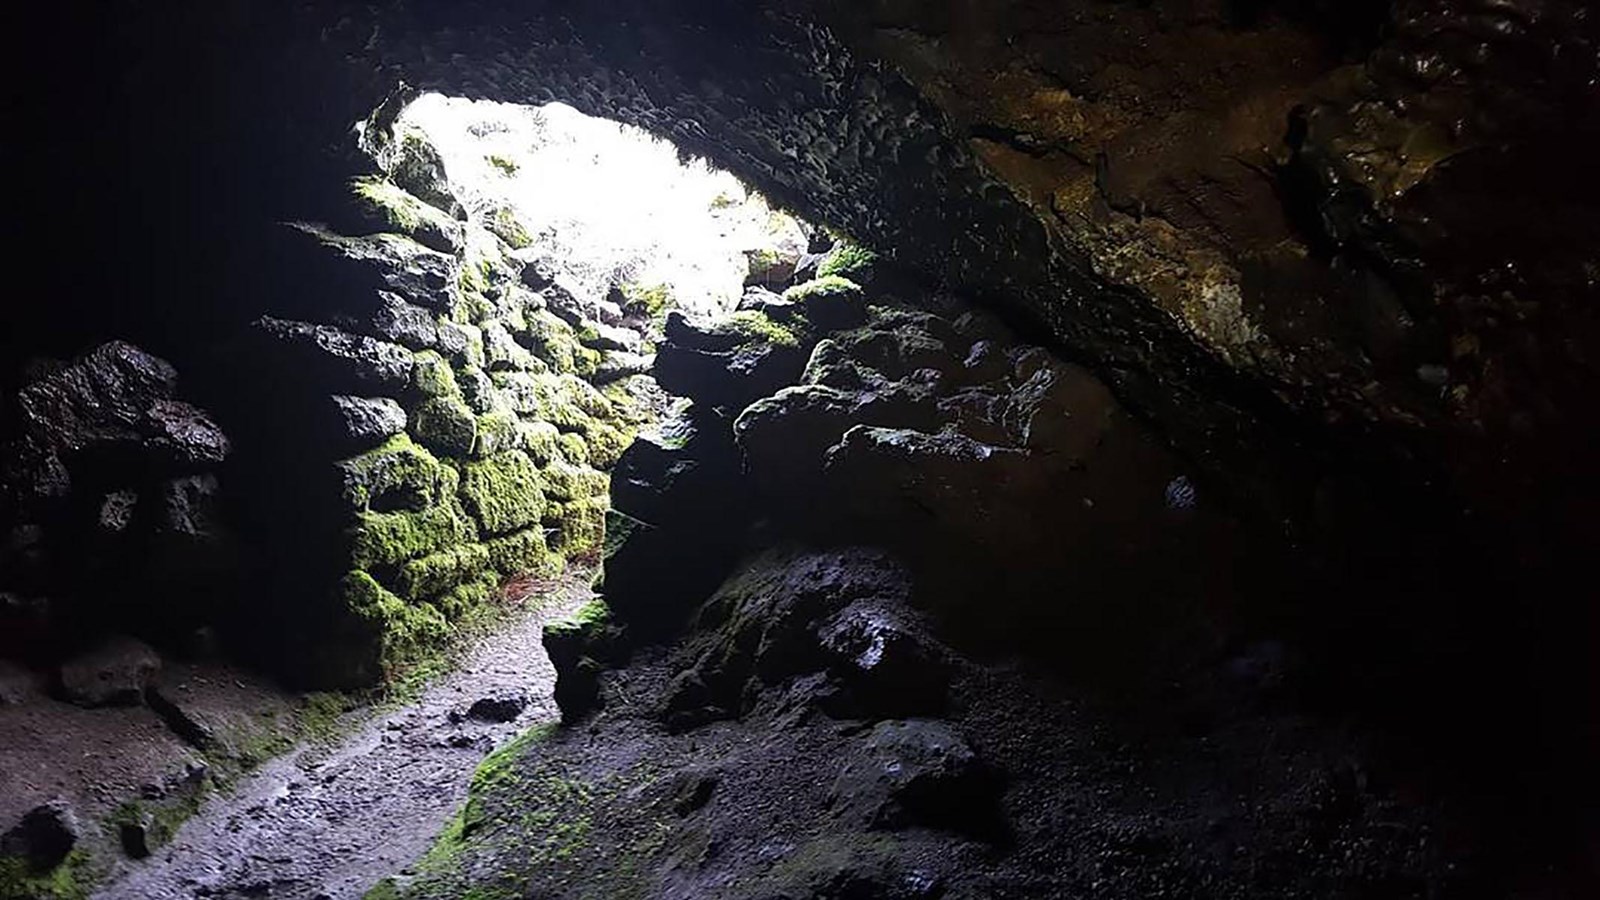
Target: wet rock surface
pixel 331 818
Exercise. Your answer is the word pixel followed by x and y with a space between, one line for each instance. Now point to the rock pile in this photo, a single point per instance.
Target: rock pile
pixel 109 504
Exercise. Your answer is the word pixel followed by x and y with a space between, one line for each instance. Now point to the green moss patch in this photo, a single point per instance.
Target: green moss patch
pixel 502 492
pixel 74 879
pixel 525 553
pixel 398 475
pixel 848 260
pixel 385 540
pixel 433 377
pixel 445 425
pixel 830 287
pixel 439 572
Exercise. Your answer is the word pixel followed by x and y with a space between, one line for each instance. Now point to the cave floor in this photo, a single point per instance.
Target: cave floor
pixel 330 818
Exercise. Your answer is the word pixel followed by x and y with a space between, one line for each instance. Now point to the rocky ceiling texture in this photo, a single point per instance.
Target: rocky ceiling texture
pixel 1332 251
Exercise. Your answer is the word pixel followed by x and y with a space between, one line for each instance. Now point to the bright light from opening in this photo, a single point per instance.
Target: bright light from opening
pixel 613 203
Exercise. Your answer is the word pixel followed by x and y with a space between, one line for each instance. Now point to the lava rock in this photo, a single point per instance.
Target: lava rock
pixel 919 772
pixel 579 647
pixel 326 357
pixel 185 724
pixel 888 668
pixel 185 434
pixel 115 673
pixel 103 397
pixel 498 709
pixel 760 628
pixel 27 626
pixel 730 363
pixel 360 423
pixel 135 837
pixel 400 322
pixel 617 366
pixel 416 165
pixel 44 837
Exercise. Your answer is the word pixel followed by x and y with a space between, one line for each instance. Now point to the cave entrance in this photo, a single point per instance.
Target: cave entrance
pixel 609 206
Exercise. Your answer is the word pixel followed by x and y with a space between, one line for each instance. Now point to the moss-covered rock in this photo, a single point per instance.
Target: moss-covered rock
pixel 580 526
pixel 579 646
pixel 848 260
pixel 574 449
pixel 525 553
pixel 542 441
pixel 649 301
pixel 433 377
pixel 417 166
pixel 497 431
pixel 465 342
pixel 502 492
pixel 391 633
pixel 565 481
pixel 392 208
pixel 501 351
pixel 556 343
pixel 505 225
pixel 396 476
pixel 829 303
pixel 445 425
pixel 386 540
pixel 460 601
pixel 437 573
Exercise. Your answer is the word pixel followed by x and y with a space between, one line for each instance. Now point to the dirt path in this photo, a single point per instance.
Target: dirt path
pixel 329 823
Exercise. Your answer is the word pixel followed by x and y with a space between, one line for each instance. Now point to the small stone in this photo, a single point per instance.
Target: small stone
pixel 114 674
pixel 498 709
pixel 135 837
pixel 44 837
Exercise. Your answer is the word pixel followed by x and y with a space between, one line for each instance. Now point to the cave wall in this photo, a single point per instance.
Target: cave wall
pixel 1339 259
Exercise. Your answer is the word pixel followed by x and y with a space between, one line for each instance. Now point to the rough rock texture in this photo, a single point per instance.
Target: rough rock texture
pixel 110 506
pixel 458 442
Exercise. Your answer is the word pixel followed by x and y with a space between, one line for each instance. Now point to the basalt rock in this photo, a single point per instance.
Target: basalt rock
pixel 327 358
pixel 919 772
pixel 115 673
pixel 44 837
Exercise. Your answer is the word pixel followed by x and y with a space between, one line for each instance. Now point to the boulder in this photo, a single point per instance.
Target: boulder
pixel 579 646
pixel 17 684
pixel 103 397
pixel 919 772
pixel 115 673
pixel 886 664
pixel 728 363
pixel 44 837
pixel 445 425
pixel 761 626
